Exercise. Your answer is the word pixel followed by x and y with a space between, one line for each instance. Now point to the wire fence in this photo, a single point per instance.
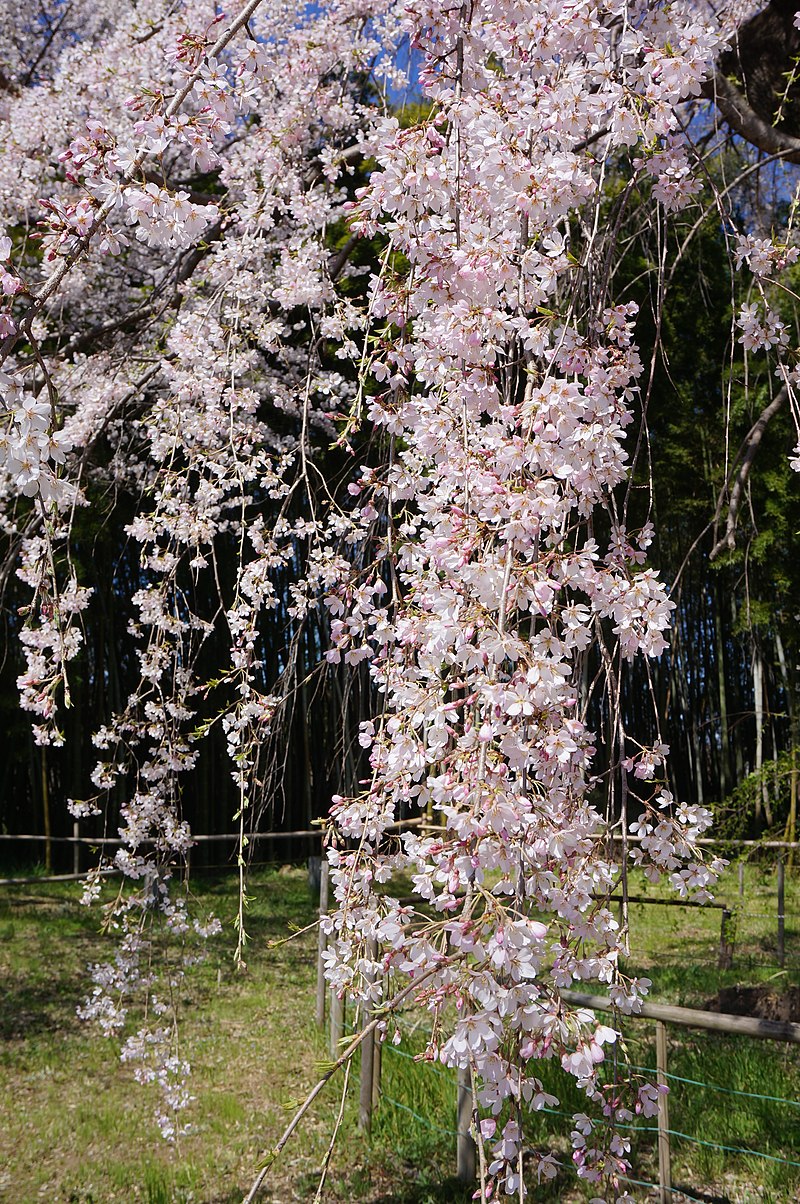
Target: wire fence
pixel 676 1191
pixel 673 1192
pixel 635 1128
pixel 666 1135
pixel 300 839
pixel 435 1125
pixel 736 934
pixel 677 1078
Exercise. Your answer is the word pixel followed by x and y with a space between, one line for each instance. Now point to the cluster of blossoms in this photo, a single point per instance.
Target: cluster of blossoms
pixel 167 219
pixel 119 233
pixel 508 384
pixel 760 326
pixel 474 574
pixel 50 639
pixel 30 447
pixel 153 1050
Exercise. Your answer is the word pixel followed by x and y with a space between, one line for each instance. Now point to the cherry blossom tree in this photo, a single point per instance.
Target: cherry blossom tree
pixel 185 322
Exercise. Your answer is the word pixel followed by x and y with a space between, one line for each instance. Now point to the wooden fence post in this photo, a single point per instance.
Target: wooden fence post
pixel 781 914
pixel 377 1062
pixel 725 960
pixel 76 848
pixel 367 1060
pixel 314 873
pixel 465 1147
pixel 322 943
pixel 664 1169
pixel 741 879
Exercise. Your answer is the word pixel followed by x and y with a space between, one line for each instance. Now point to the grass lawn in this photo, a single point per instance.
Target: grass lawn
pixel 75 1128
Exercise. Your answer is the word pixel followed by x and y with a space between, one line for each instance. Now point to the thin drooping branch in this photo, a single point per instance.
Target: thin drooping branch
pixel 161 299
pixel 342 1060
pixel 749 448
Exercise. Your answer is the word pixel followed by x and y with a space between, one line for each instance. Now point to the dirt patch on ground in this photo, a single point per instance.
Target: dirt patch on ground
pixel 764 1002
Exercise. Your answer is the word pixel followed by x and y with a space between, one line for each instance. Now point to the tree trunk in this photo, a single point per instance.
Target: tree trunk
pixel 762 798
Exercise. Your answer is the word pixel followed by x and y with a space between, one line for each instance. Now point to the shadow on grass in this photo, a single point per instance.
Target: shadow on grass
pixel 449 1191
pixel 50 940
pixel 28 1010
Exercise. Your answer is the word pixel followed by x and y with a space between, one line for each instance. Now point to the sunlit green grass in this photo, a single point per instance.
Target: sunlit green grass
pixel 75 1128
pixel 677 949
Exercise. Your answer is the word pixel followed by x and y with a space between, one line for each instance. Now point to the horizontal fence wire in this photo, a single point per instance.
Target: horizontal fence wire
pixel 774 1099
pixel 203 837
pixel 682 1191
pixel 107 871
pixel 729 1149
pixel 395 1103
pixel 651 1070
pixel 388 1047
pixel 674 1191
pixel 746 961
pixel 418 1061
pixel 427 1124
pixel 768 915
pixel 715 1145
pixel 197 840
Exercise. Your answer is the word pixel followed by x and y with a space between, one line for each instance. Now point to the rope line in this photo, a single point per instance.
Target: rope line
pixel 730 1149
pixel 675 1191
pixel 774 1099
pixel 638 1128
pixel 743 958
pixel 422 1120
pixel 401 1053
pixel 768 915
pixel 714 1145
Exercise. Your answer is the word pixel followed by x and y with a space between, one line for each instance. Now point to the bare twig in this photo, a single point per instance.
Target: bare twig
pixel 325 1078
